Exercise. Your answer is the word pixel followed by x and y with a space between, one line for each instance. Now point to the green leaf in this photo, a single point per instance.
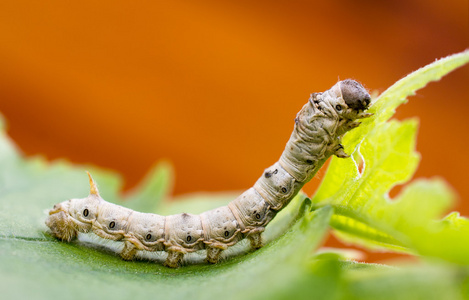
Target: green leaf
pixel 385 153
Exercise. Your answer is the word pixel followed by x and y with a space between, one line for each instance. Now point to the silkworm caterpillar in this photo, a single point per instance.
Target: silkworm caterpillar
pixel 318 129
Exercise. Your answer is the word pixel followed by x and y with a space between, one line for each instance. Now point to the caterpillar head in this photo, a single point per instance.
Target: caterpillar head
pixel 355 95
pixel 68 218
pixel 347 100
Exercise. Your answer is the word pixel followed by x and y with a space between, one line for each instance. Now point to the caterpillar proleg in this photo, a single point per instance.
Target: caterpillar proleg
pixel 318 129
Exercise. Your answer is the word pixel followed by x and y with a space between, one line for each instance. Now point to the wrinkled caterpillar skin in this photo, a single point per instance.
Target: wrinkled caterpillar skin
pixel 318 129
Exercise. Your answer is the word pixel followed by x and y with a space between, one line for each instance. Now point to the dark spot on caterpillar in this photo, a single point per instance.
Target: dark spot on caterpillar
pixel 269 174
pixel 309 161
pixel 227 233
pixel 112 224
pixel 185 215
pixel 355 95
pixel 148 237
pixel 296 120
pixel 86 212
pixel 338 107
pixel 189 238
pixel 258 216
pixel 284 190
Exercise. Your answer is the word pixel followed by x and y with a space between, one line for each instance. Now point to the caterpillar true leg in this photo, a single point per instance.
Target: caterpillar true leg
pixel 316 136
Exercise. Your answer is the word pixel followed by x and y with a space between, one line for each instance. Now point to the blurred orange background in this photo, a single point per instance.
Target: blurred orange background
pixel 214 86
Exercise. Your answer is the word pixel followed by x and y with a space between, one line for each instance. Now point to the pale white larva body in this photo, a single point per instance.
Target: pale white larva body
pixel 318 129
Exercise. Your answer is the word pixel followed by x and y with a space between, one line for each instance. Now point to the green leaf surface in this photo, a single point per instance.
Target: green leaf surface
pixel 384 157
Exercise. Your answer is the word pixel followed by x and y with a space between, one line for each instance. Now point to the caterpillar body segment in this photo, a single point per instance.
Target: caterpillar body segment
pixel 318 129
